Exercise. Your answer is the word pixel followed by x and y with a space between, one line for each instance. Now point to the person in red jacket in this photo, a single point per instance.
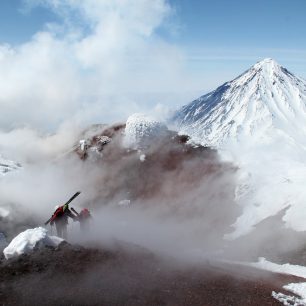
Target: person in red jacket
pixel 84 217
pixel 60 219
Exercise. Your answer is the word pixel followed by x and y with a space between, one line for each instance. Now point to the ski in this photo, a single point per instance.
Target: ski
pixel 75 211
pixel 72 198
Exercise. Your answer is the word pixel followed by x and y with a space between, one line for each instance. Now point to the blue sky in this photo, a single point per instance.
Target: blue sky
pixel 240 23
pixel 217 36
pixel 17 24
pixel 234 34
pixel 147 54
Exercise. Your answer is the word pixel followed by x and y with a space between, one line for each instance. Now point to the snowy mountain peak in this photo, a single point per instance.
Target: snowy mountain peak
pixel 267 68
pixel 267 63
pixel 265 97
pixel 265 71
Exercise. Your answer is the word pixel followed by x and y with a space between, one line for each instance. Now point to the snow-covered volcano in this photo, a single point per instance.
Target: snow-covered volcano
pixel 265 100
pixel 258 121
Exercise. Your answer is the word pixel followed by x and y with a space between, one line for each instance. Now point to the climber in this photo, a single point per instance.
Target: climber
pixel 84 217
pixel 60 219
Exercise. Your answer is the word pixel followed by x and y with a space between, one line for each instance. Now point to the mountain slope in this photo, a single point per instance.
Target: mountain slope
pixel 258 122
pixel 264 100
pixel 132 276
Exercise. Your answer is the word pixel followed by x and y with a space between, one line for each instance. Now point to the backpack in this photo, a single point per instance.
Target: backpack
pixel 58 213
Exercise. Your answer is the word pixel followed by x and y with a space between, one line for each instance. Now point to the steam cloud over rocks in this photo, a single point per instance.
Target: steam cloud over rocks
pixel 159 194
pixel 179 204
pixel 159 191
pixel 176 190
pixel 172 190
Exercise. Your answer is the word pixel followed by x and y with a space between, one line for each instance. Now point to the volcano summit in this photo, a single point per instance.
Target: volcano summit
pixel 265 100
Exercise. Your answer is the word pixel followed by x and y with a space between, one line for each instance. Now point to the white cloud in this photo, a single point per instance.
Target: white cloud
pixel 91 67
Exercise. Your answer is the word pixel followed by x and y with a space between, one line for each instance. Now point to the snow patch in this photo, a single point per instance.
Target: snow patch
pixel 124 203
pixel 287 268
pixel 288 300
pixel 4 213
pixel 84 143
pixel 26 241
pixel 296 288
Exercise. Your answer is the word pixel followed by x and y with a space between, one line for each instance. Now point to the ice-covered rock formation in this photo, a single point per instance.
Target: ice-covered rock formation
pixel 141 130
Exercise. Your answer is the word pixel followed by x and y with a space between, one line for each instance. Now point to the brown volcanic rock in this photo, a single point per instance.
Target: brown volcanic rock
pixel 174 178
pixel 78 276
pixel 172 167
